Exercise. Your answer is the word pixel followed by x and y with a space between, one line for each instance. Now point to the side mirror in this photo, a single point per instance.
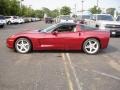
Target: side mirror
pixel 55 32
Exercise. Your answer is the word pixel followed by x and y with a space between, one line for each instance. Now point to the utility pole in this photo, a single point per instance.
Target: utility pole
pixel 82 7
pixel 21 6
pixel 97 3
pixel 75 9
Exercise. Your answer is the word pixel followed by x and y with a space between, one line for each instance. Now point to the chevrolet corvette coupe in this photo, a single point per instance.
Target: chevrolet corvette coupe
pixel 62 36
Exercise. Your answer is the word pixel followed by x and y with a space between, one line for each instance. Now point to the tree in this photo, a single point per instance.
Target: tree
pixel 5 7
pixel 47 11
pixel 110 11
pixel 65 10
pixel 54 13
pixel 39 13
pixel 95 10
pixel 15 7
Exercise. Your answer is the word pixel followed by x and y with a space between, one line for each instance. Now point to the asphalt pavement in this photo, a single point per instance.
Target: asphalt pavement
pixel 57 70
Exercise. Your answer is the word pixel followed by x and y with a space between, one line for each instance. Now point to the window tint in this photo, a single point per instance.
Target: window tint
pixel 66 28
pixel 105 17
pixel 15 17
pixel 86 27
pixel 65 17
pixel 7 17
pixel 2 17
pixel 82 17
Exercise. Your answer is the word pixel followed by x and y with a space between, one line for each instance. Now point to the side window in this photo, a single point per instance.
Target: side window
pixel 86 27
pixel 66 28
pixel 93 17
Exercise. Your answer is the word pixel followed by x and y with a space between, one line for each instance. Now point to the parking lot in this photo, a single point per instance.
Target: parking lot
pixel 57 70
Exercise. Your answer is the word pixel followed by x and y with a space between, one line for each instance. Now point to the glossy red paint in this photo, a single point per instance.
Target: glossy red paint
pixel 62 40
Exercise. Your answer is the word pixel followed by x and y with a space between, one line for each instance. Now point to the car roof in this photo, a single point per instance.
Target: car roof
pixel 101 14
pixel 67 23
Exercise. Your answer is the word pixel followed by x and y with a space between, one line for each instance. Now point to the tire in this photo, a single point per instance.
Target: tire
pixel 1 26
pixel 91 46
pixel 23 45
pixel 9 23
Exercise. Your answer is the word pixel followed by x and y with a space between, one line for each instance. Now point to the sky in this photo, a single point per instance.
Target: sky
pixel 53 4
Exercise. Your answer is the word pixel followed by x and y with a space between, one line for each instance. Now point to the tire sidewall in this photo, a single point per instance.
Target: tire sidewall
pixel 30 46
pixel 93 39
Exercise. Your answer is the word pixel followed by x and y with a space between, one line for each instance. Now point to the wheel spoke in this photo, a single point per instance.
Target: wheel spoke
pixel 91 46
pixel 95 43
pixel 89 42
pixel 87 46
pixel 19 45
pixel 22 45
pixel 22 42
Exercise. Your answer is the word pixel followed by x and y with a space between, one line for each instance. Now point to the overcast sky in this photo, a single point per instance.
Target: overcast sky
pixel 53 4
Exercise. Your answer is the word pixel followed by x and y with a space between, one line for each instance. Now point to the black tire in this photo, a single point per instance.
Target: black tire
pixel 1 26
pixel 25 40
pixel 9 23
pixel 97 46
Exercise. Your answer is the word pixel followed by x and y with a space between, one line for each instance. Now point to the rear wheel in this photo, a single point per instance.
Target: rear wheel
pixel 91 46
pixel 9 23
pixel 23 45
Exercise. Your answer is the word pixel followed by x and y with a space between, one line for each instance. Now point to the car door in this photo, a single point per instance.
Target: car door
pixel 65 38
pixel 50 41
pixel 70 38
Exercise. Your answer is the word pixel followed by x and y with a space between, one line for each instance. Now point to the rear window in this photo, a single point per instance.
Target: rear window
pixel 2 17
pixel 82 17
pixel 15 17
pixel 87 27
pixel 65 17
pixel 7 17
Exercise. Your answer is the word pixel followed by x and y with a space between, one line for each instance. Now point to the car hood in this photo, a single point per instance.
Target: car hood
pixel 109 22
pixel 31 31
pixel 26 32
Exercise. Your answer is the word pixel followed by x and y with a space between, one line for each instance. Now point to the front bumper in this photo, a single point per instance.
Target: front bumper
pixel 114 33
pixel 10 43
pixel 1 23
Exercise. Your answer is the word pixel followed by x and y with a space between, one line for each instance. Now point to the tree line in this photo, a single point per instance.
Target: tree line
pixel 14 8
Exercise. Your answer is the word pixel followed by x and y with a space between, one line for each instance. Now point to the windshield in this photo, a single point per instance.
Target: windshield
pixel 105 17
pixel 49 29
pixel 65 17
pixel 82 17
pixel 118 18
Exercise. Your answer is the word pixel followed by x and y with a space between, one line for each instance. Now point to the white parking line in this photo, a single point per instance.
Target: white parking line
pixel 70 84
pixel 74 72
pixel 107 75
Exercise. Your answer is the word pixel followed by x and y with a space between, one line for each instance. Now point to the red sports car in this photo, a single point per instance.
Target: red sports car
pixel 62 36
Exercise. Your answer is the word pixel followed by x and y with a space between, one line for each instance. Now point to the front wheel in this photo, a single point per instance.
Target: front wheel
pixel 2 26
pixel 91 46
pixel 23 45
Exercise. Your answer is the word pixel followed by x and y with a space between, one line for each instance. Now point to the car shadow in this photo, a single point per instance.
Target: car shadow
pixel 108 50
